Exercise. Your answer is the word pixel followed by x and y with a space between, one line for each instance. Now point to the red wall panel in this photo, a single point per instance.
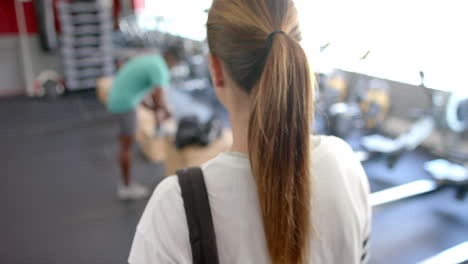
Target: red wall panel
pixel 8 23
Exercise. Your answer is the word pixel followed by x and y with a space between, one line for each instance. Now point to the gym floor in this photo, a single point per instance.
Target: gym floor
pixel 59 204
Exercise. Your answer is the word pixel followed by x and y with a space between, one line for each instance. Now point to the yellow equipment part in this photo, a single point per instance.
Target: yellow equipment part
pixel 340 85
pixel 380 98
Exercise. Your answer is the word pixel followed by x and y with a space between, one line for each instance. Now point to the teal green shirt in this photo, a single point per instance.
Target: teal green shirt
pixel 134 80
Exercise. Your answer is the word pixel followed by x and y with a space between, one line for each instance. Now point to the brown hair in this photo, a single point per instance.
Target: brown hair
pixel 273 70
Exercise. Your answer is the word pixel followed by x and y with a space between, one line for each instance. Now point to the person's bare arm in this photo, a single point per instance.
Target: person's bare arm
pixel 158 98
pixel 155 99
pixel 157 103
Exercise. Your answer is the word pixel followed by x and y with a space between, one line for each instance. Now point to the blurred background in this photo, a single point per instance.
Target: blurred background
pixel 390 78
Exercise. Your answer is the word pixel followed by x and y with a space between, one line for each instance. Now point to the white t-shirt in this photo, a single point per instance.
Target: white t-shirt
pixel 340 212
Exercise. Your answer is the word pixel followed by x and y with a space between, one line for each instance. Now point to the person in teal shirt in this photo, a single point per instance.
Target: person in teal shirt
pixel 139 76
pixel 143 76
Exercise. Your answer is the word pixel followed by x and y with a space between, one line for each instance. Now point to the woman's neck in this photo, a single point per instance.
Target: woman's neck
pixel 240 134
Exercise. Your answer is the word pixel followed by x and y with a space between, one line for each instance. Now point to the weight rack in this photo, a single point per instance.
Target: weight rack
pixel 86 43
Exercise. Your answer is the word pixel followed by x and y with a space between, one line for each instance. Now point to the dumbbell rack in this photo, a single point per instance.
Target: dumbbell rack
pixel 86 43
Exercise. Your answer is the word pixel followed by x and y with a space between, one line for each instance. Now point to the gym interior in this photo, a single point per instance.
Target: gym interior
pixel 390 81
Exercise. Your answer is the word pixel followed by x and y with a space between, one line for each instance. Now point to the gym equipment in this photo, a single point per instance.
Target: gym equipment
pixel 330 104
pixel 336 88
pixel 445 174
pixel 86 43
pixel 366 107
pixel 451 114
pixel 361 105
pixel 48 84
pixel 46 26
pixel 191 131
pixel 375 104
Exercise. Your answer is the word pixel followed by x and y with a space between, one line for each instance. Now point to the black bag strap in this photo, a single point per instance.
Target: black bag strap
pixel 199 219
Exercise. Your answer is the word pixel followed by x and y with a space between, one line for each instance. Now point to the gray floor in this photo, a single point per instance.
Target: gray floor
pixel 59 178
pixel 59 175
pixel 413 230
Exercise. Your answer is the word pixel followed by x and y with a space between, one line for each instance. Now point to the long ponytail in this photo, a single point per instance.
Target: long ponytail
pixel 279 149
pixel 274 70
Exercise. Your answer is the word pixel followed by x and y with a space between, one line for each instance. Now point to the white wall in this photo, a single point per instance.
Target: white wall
pixel 11 73
pixel 10 64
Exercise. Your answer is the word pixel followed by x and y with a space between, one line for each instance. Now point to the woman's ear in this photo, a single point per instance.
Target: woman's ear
pixel 216 71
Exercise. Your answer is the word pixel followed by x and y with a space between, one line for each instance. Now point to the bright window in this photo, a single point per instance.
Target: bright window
pixel 186 18
pixel 403 36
